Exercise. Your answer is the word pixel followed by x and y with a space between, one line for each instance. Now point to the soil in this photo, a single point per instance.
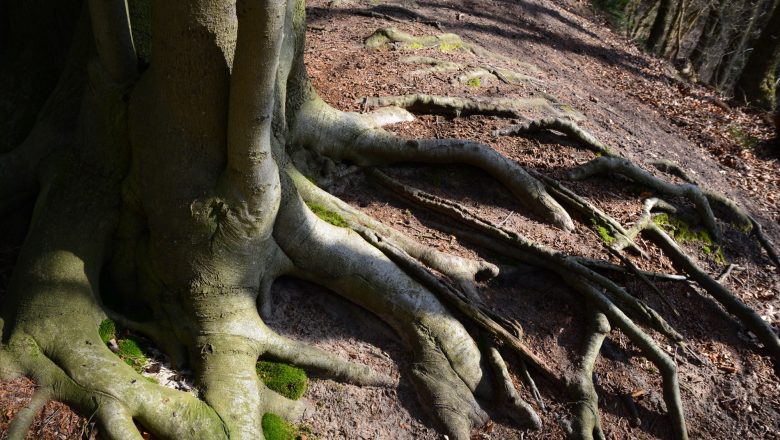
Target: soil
pixel 636 104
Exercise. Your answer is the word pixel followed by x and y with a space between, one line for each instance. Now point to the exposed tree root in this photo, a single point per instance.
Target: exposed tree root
pixel 744 220
pixel 539 255
pixel 747 316
pixel 435 65
pixel 587 210
pixel 202 239
pixel 449 367
pixel 567 127
pixel 484 70
pixel 605 265
pixel 518 408
pixel 384 37
pixel 460 302
pixel 586 423
pixel 463 271
pixel 701 198
pixel 456 107
pixel 577 277
pixel 347 136
pixel 602 165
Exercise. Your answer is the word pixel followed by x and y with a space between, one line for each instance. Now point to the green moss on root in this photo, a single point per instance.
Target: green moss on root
pixel 604 232
pixel 683 233
pixel 450 46
pixel 107 330
pixel 327 215
pixel 286 380
pixel 130 351
pixel 474 82
pixel 276 428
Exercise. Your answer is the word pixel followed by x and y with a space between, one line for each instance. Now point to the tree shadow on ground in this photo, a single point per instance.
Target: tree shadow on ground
pixel 522 30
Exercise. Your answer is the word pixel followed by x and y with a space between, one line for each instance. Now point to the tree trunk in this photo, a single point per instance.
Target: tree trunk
pixel 756 85
pixel 178 190
pixel 674 28
pixel 660 24
pixel 710 33
pixel 733 63
pixel 170 196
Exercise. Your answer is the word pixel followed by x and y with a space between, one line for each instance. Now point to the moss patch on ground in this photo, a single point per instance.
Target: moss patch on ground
pixel 742 138
pixel 683 233
pixel 474 82
pixel 107 330
pixel 329 216
pixel 130 349
pixel 276 428
pixel 286 380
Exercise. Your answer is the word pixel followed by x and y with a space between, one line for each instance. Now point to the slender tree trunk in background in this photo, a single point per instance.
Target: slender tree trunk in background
pixel 658 31
pixel 673 28
pixel 630 12
pixel 756 85
pixel 735 54
pixel 709 35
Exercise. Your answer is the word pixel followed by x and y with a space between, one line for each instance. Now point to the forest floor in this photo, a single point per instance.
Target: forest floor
pixel 634 103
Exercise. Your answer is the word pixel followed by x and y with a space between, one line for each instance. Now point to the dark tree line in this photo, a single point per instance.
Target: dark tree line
pixel 731 45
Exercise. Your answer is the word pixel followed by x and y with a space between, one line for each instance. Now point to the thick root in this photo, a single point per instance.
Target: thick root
pixel 323 363
pixel 518 409
pixel 449 367
pixel 567 127
pixel 624 167
pixel 457 107
pixel 530 252
pixel 579 278
pixel 744 220
pixel 348 136
pixel 597 217
pixel 464 271
pixel 586 424
pixel 447 42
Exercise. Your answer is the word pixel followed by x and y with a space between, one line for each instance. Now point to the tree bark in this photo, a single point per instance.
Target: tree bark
pixel 660 24
pixel 733 63
pixel 756 85
pixel 709 35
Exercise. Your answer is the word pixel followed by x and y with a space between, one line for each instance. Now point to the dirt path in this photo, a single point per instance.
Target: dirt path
pixel 630 101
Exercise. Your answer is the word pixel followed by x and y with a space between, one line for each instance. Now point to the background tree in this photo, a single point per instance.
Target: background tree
pixel 757 83
pixel 659 30
pixel 719 38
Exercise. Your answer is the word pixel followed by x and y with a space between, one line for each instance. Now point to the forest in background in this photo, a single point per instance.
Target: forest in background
pixel 733 46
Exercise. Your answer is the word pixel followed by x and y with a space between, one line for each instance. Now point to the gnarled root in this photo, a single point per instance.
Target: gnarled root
pixel 455 107
pixel 619 165
pixel 578 278
pixel 586 424
pixel 718 291
pixel 449 368
pixel 557 124
pixel 352 137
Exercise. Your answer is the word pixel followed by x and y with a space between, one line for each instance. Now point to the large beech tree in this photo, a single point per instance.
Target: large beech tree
pixel 170 196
